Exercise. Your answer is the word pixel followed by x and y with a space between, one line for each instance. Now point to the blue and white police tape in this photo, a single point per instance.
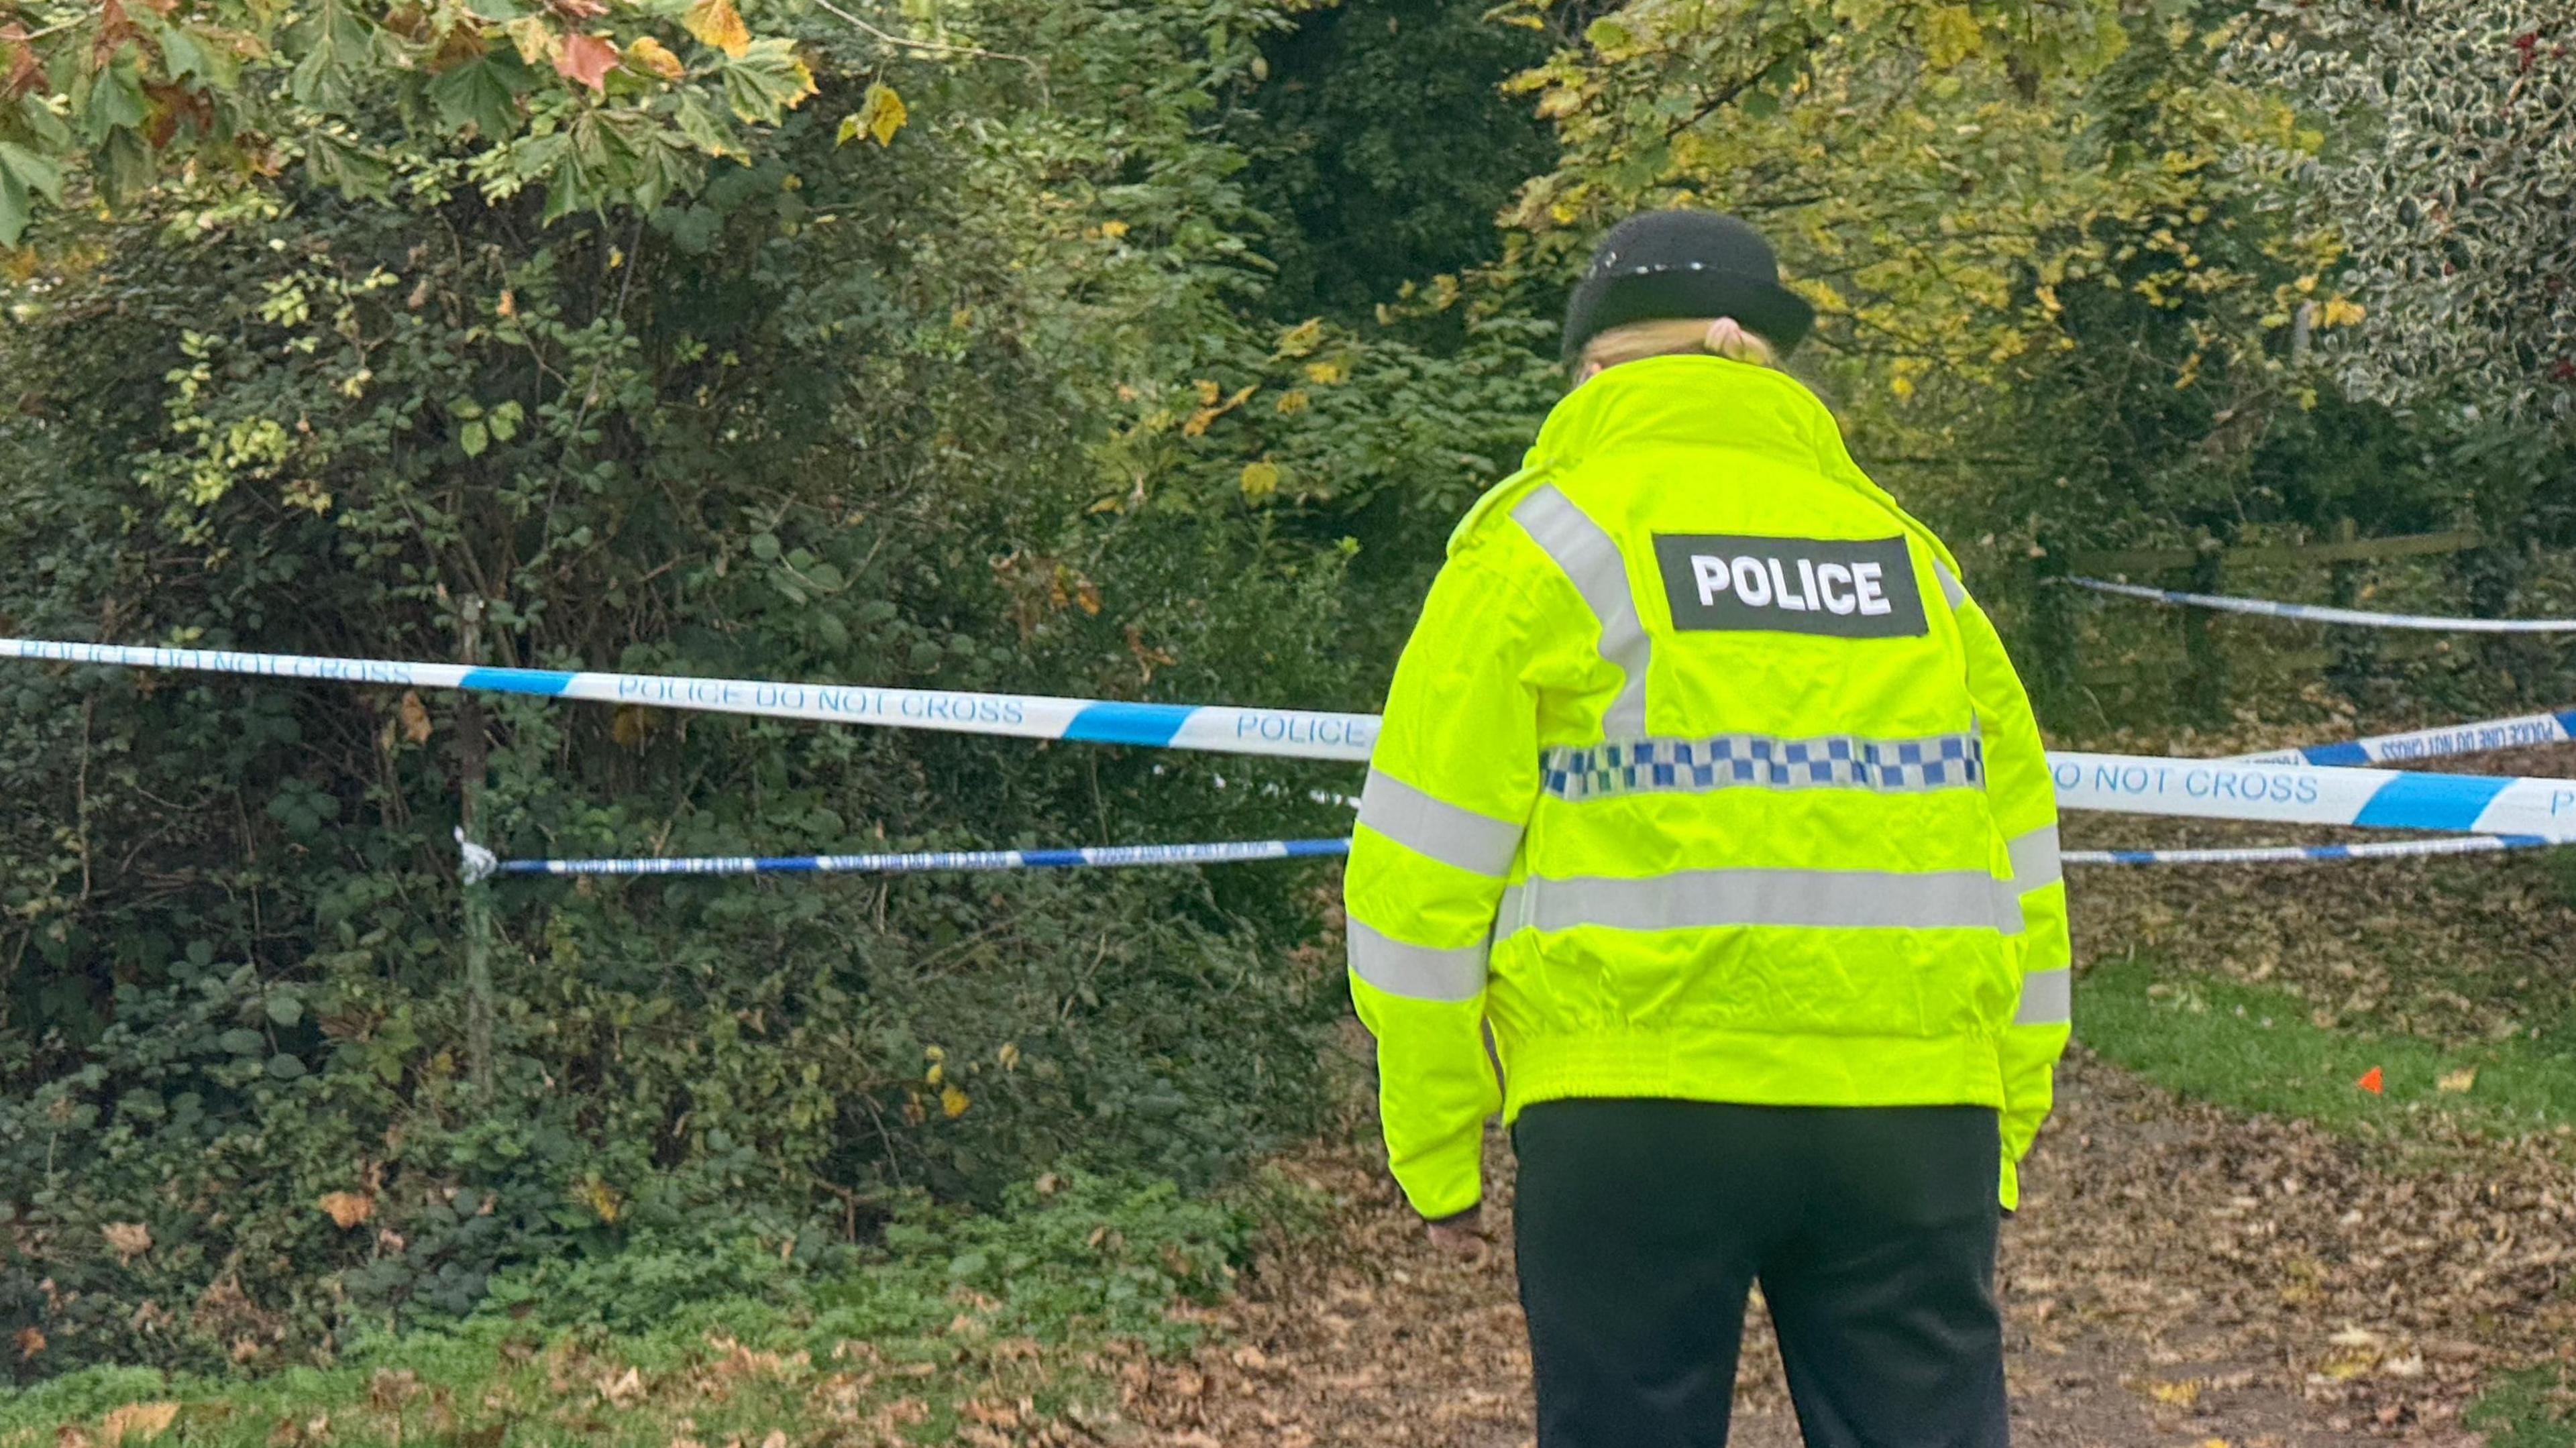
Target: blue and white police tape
pixel 2303 793
pixel 480 864
pixel 2473 738
pixel 2315 794
pixel 2322 613
pixel 2297 854
pixel 1291 733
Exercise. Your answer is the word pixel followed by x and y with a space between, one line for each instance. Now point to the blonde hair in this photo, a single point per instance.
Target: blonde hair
pixel 1676 336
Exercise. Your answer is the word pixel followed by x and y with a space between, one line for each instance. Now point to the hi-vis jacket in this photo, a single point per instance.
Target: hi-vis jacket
pixel 1702 777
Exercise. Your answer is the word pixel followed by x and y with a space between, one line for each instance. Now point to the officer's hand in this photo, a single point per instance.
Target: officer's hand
pixel 1461 1234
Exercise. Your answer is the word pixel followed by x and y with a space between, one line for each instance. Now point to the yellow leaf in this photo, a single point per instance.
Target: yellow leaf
pixel 1208 391
pixel 1260 480
pixel 1292 402
pixel 136 1423
pixel 933 1076
pixel 882 112
pixel 1113 229
pixel 718 25
pixel 1327 374
pixel 2181 1394
pixel 602 1199
pixel 644 53
pixel 413 716
pixel 347 1209
pixel 2340 312
pixel 631 725
pixel 1009 1055
pixel 849 130
pixel 952 1101
pixel 538 42
pixel 1950 35
pixel 2460 1080
pixel 30 1342
pixel 128 1240
pixel 1300 340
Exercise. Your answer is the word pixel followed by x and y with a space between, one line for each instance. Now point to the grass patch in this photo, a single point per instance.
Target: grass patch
pixel 957 1329
pixel 2253 1048
pixel 2534 1408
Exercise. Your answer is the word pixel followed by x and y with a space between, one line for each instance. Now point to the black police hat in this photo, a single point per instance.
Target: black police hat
pixel 1660 264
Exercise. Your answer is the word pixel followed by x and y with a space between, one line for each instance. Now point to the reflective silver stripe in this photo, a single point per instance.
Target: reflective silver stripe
pixel 1417 972
pixel 1692 766
pixel 1428 825
pixel 2047 998
pixel 1950 588
pixel 1693 899
pixel 2034 859
pixel 1592 561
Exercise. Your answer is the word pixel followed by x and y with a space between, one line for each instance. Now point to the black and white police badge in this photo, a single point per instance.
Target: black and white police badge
pixel 1846 587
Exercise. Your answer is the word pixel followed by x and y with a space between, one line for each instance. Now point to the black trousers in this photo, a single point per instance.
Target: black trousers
pixel 1641 1225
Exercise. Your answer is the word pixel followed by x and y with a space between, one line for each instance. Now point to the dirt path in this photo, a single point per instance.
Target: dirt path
pixel 2178 1276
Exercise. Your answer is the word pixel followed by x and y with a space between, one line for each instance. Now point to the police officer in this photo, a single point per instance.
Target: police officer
pixel 1707 789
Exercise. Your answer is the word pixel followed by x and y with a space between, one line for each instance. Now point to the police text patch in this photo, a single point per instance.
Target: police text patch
pixel 1850 588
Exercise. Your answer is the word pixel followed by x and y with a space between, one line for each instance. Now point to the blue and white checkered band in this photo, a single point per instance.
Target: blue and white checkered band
pixel 1761 761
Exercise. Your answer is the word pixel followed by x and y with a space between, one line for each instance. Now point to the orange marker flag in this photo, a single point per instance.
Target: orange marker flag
pixel 2370 1081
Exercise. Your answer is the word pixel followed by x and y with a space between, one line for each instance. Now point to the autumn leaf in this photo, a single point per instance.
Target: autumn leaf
pixel 631 725
pixel 718 25
pixel 2340 312
pixel 604 1201
pixel 1327 374
pixel 347 1209
pixel 413 716
pixel 652 57
pixel 136 1423
pixel 586 59
pixel 1301 340
pixel 30 1342
pixel 952 1101
pixel 881 113
pixel 2457 1081
pixel 537 42
pixel 128 1240
pixel 1949 35
pixel 1259 481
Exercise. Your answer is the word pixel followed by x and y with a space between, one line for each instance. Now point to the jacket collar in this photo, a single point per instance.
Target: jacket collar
pixel 1686 401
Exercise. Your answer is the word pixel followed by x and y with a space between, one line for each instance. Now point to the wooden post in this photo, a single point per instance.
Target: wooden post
pixel 2207 670
pixel 2356 650
pixel 472 761
pixel 2053 628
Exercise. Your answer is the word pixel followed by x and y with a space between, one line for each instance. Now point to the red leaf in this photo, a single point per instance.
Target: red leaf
pixel 19 72
pixel 587 59
pixel 2370 1081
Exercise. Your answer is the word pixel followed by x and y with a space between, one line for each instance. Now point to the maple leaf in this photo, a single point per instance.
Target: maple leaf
pixel 30 1342
pixel 128 1240
pixel 2456 1081
pixel 587 59
pixel 1259 481
pixel 952 1101
pixel 718 25
pixel 347 1209
pixel 646 54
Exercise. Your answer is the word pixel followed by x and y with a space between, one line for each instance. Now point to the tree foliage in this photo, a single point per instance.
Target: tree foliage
pixel 2448 187
pixel 111 103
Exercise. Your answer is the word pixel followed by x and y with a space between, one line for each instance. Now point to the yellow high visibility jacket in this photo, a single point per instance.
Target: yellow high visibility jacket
pixel 1702 777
